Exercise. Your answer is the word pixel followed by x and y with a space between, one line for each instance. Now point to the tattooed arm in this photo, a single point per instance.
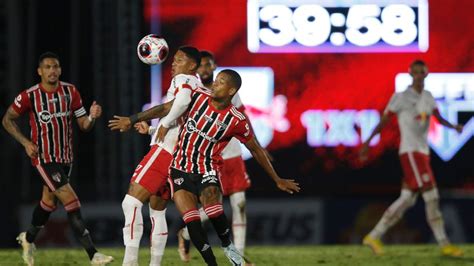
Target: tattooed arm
pixel 125 123
pixel 12 128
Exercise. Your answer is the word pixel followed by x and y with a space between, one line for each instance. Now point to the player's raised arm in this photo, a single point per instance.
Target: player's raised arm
pixel 124 123
pixel 179 107
pixel 86 123
pixel 288 185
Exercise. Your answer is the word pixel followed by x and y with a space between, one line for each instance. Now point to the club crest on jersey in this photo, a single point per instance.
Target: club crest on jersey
pixel 179 181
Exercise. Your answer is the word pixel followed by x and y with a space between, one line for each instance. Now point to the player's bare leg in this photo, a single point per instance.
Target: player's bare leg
pixel 159 229
pixel 133 227
pixel 391 216
pixel 186 203
pixel 436 222
pixel 70 201
pixel 41 215
pixel 211 200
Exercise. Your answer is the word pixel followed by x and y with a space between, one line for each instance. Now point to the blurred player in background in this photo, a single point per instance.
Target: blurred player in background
pixel 150 177
pixel 413 108
pixel 51 105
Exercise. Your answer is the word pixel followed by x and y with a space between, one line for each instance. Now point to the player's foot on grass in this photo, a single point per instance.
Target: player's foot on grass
pixel 451 251
pixel 101 259
pixel 28 249
pixel 183 247
pixel 233 255
pixel 375 244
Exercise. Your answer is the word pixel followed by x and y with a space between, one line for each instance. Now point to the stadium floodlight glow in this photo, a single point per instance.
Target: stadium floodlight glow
pixel 454 93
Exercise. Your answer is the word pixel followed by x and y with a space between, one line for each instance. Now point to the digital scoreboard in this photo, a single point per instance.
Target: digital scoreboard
pixel 324 26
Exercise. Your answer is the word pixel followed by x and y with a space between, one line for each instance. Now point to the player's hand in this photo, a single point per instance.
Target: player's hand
pixel 31 149
pixel 288 185
pixel 364 152
pixel 121 123
pixel 95 111
pixel 459 128
pixel 162 131
pixel 142 127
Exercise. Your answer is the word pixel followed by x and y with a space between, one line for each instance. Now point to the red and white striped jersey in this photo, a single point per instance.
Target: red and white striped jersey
pixel 51 120
pixel 205 133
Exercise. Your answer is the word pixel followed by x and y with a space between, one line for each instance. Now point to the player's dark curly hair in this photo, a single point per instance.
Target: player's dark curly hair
pixel 418 62
pixel 235 79
pixel 207 54
pixel 47 55
pixel 193 53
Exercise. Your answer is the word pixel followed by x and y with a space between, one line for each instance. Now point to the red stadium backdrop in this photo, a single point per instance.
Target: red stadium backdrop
pixel 345 91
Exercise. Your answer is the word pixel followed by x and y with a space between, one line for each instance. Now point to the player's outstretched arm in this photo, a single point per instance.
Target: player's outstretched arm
pixel 288 185
pixel 124 123
pixel 365 146
pixel 446 123
pixel 86 123
pixel 12 128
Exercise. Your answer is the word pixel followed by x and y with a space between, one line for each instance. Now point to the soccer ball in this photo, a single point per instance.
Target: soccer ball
pixel 152 49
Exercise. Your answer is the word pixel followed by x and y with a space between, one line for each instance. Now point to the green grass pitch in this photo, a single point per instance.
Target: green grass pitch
pixel 266 255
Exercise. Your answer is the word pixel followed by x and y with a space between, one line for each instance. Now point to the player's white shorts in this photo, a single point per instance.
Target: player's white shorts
pixel 417 170
pixel 233 176
pixel 152 172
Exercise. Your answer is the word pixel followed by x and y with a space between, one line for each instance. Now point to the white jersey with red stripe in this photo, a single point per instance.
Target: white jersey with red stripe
pixel 413 112
pixel 233 149
pixel 179 81
pixel 205 133
pixel 51 114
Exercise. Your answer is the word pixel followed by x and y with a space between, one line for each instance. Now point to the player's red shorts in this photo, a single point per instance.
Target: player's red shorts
pixel 233 176
pixel 417 170
pixel 152 172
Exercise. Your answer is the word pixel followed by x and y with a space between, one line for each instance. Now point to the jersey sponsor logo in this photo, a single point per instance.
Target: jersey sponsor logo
pixel 45 116
pixel 192 128
pixel 179 181
pixel 454 94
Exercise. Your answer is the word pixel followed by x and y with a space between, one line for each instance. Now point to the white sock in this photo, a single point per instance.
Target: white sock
pixel 203 215
pixel 185 234
pixel 133 228
pixel 158 236
pixel 393 214
pixel 434 217
pixel 239 220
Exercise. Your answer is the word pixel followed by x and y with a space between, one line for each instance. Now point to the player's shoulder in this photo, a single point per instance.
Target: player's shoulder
pixel 185 79
pixel 32 89
pixel 68 85
pixel 428 93
pixel 203 91
pixel 237 114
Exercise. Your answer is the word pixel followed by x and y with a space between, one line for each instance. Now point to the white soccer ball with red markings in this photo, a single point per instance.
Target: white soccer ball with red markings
pixel 152 49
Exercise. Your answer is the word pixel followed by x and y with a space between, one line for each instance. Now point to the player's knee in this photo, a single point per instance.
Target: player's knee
pixel 408 197
pixel 238 203
pixel 431 198
pixel 157 203
pixel 210 195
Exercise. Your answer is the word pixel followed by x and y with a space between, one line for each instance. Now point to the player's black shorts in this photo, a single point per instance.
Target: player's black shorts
pixel 54 175
pixel 194 183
